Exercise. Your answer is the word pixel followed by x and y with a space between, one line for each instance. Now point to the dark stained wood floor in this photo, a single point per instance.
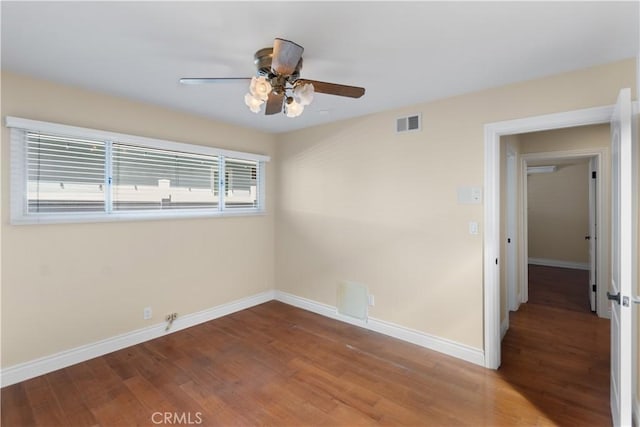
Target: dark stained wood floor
pixel 281 366
pixel 564 288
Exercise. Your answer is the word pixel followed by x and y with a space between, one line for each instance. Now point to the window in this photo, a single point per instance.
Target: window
pixel 66 174
pixel 153 179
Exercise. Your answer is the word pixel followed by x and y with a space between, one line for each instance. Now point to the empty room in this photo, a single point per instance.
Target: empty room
pixel 319 213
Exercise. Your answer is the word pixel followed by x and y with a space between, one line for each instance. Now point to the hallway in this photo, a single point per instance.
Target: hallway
pixel 556 351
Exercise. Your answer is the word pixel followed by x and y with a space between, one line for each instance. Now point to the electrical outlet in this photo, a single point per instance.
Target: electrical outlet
pixel 171 317
pixel 147 313
pixel 372 300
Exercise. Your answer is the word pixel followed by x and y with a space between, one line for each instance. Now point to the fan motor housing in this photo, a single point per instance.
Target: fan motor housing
pixel 263 58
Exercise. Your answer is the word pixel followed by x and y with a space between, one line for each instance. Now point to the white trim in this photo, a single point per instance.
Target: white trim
pixel 448 347
pixel 559 263
pixel 66 130
pixel 131 216
pixel 492 132
pixel 512 301
pixel 504 327
pixel 317 307
pixel 636 411
pixel 43 365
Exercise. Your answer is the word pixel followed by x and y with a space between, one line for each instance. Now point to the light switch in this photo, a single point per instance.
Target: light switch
pixel 473 227
pixel 476 195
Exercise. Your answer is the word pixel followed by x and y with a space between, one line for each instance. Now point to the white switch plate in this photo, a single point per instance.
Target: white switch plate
pixel 473 227
pixel 147 313
pixel 476 195
pixel 469 195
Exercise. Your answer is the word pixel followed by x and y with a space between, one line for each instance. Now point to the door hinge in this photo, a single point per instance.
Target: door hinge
pixel 593 288
pixel 593 174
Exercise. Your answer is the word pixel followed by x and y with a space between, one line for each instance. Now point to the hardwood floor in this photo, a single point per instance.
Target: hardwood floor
pixel 559 287
pixel 556 352
pixel 280 366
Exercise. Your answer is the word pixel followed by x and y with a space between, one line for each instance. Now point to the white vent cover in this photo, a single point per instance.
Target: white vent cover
pixel 353 300
pixel 410 123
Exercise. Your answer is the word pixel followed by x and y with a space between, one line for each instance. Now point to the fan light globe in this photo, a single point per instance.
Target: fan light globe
pixel 260 87
pixel 303 94
pixel 294 109
pixel 253 103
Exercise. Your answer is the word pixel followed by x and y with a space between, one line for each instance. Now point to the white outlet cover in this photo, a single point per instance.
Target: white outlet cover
pixel 147 313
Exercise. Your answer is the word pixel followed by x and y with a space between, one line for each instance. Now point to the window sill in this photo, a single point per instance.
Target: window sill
pixel 129 216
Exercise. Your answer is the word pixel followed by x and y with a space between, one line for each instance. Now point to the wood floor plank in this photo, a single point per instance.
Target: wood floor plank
pixel 277 365
pixel 16 409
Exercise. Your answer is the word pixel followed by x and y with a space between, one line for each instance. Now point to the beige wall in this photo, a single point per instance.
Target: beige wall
pixel 558 214
pixel 575 138
pixel 358 202
pixel 68 285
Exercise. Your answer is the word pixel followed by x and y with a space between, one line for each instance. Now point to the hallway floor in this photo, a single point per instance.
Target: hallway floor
pixel 556 351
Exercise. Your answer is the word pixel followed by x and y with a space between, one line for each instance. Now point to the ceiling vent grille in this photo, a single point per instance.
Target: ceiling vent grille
pixel 410 123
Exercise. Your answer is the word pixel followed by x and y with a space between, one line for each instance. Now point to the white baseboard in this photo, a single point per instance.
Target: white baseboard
pixel 422 339
pixel 34 368
pixel 504 327
pixel 43 365
pixel 559 263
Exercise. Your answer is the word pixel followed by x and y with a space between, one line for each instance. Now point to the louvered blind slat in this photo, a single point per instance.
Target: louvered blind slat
pixel 64 174
pixel 241 189
pixel 154 179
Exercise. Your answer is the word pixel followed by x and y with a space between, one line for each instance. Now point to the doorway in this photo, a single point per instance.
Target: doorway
pixel 567 227
pixel 492 209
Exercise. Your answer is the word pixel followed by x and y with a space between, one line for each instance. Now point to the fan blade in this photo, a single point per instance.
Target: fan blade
pixel 274 103
pixel 203 80
pixel 286 55
pixel 333 88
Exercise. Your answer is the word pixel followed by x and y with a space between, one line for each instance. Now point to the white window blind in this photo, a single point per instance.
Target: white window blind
pixel 63 173
pixel 147 178
pixel 241 178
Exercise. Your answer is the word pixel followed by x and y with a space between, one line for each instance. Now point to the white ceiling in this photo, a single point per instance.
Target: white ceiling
pixel 403 53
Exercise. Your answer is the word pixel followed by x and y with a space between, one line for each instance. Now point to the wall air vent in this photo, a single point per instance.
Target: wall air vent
pixel 410 123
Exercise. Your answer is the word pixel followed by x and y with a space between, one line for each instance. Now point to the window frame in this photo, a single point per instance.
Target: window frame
pixel 18 176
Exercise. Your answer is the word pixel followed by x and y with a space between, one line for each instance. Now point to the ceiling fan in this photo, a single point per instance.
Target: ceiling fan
pixel 278 81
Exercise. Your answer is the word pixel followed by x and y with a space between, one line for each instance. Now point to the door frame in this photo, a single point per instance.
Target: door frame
pixel 595 198
pixel 492 133
pixel 514 292
pixel 602 242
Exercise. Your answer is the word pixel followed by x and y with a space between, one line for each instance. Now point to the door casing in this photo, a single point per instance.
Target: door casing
pixel 492 256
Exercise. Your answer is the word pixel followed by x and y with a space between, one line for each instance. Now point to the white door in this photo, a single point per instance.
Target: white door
pixel 621 260
pixel 593 235
pixel 513 300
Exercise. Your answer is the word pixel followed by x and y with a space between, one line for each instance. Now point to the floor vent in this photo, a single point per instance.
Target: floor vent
pixel 410 123
pixel 353 300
